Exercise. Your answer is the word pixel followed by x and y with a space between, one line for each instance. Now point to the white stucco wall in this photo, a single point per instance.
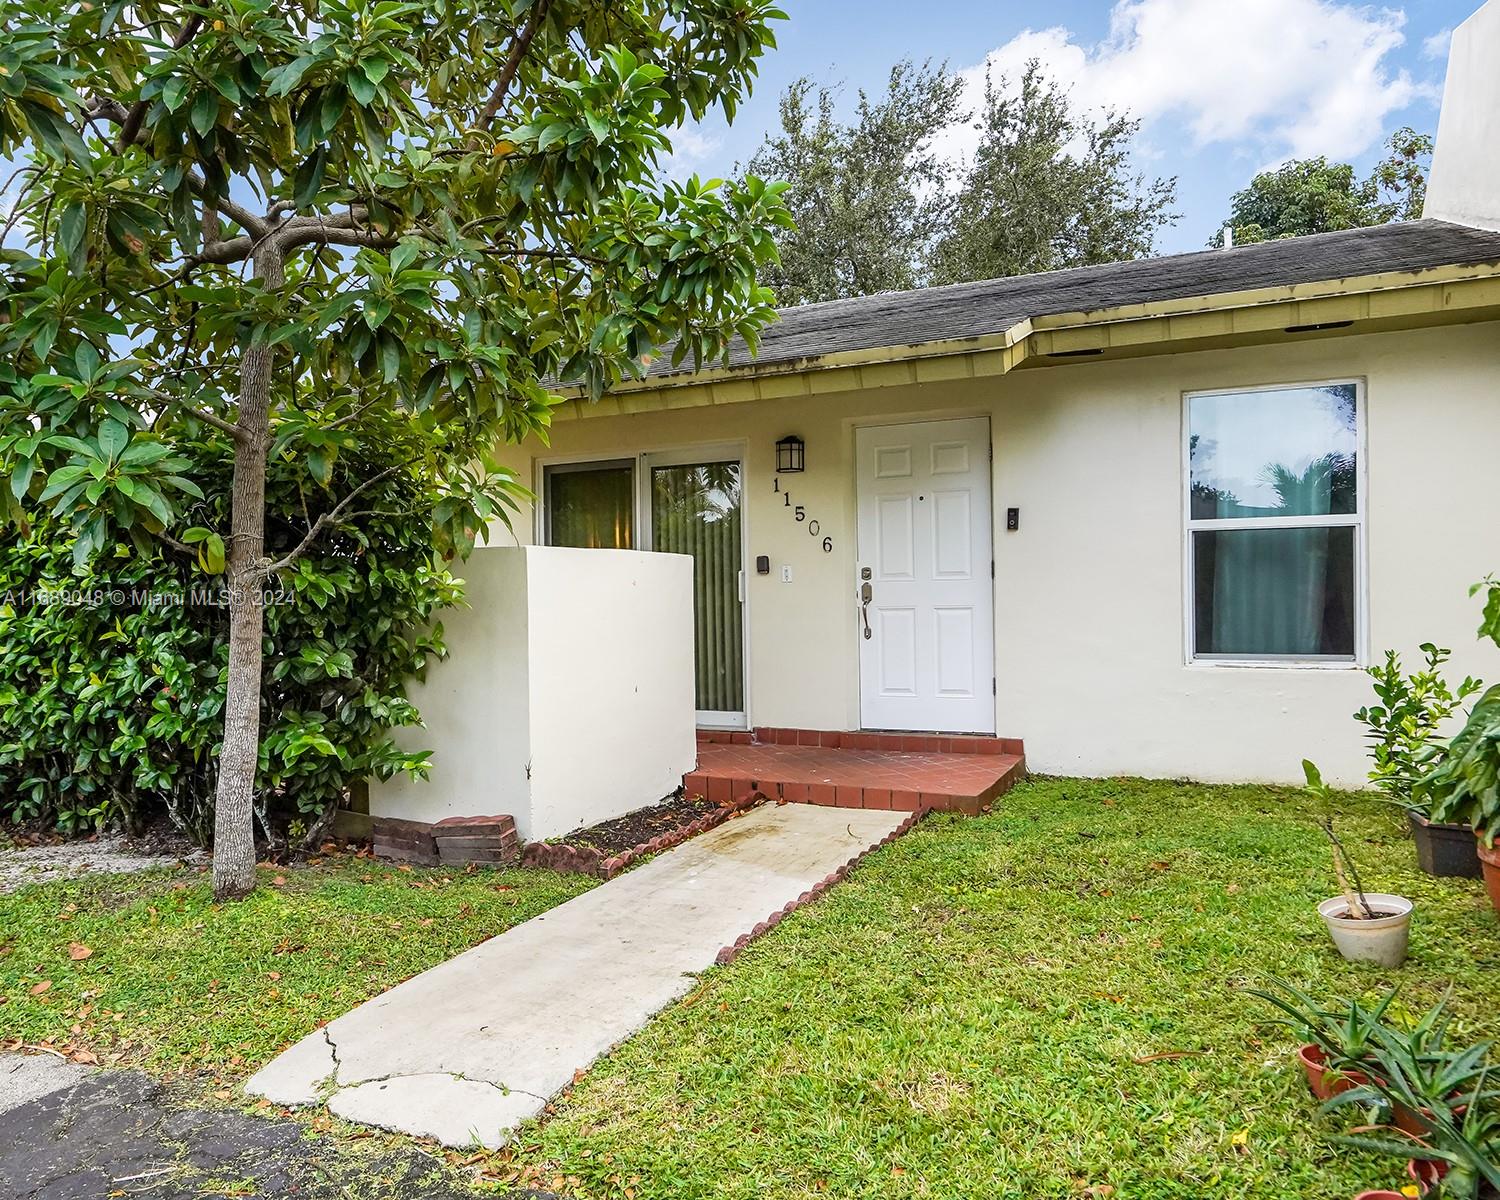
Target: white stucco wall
pixel 611 683
pixel 1089 595
pixel 1464 183
pixel 567 696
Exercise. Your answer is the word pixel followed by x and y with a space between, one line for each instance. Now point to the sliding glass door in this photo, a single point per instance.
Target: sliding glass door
pixel 688 502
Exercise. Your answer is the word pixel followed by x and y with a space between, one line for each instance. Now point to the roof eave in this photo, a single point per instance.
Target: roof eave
pixel 1358 304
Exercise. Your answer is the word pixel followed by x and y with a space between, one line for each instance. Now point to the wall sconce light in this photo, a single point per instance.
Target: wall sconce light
pixel 790 455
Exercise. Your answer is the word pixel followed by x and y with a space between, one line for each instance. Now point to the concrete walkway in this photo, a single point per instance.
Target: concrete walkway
pixel 469 1050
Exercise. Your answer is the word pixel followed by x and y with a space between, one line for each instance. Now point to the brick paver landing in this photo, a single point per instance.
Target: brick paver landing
pixel 908 781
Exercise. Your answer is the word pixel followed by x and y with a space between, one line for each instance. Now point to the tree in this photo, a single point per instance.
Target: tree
pixel 1049 188
pixel 865 196
pixel 879 207
pixel 1313 195
pixel 284 220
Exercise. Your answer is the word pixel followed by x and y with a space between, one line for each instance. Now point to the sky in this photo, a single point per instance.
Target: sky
pixel 1224 88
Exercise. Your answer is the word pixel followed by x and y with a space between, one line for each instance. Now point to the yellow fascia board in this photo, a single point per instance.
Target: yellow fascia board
pixel 1459 292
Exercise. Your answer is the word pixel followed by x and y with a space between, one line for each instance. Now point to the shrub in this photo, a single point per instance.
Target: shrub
pixel 111 705
pixel 1404 727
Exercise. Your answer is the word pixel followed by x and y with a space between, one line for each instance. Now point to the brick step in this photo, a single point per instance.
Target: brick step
pixel 926 777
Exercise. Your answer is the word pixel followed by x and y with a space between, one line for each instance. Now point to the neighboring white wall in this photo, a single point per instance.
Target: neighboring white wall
pixel 567 696
pixel 1464 183
pixel 1089 592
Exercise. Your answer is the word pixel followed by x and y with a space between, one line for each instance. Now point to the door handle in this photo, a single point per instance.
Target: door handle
pixel 866 594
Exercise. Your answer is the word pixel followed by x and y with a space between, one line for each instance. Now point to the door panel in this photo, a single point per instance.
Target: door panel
pixel 925 521
pixel 696 509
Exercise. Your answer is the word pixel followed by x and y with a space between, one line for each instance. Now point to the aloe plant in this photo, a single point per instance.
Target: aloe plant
pixel 1347 1034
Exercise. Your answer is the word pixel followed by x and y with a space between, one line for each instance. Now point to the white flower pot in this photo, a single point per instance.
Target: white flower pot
pixel 1379 940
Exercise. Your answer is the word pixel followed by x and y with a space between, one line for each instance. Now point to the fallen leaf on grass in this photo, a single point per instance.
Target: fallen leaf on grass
pixel 1166 1055
pixel 44 986
pixel 1240 1140
pixel 77 951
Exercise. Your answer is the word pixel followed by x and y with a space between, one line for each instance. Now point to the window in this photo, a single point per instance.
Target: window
pixel 591 505
pixel 1274 524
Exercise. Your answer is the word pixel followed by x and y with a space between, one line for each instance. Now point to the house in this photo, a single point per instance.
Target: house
pixel 1152 517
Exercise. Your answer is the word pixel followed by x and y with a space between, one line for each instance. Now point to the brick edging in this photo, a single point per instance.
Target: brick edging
pixel 589 860
pixel 731 952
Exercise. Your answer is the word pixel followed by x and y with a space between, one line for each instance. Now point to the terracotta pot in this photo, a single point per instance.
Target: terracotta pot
pixel 1426 1174
pixel 1408 1121
pixel 1489 860
pixel 1381 1194
pixel 1324 1082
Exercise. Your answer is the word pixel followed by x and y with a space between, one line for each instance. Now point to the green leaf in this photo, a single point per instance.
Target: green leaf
pixel 71 227
pixel 205 112
pixel 142 453
pixel 309 178
pixel 153 502
pixel 390 358
pixel 86 359
pixel 20 478
pixel 174 92
pixel 113 438
pixel 404 255
pixel 360 87
pixel 211 554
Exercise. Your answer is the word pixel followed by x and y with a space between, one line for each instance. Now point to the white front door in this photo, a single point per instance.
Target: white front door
pixel 925 586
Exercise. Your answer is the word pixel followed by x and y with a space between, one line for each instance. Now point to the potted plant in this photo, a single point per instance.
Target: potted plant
pixel 1458 1157
pixel 1365 926
pixel 1338 1043
pixel 1414 1080
pixel 1402 730
pixel 1462 779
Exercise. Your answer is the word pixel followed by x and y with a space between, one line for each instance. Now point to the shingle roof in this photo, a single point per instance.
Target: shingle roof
pixel 992 306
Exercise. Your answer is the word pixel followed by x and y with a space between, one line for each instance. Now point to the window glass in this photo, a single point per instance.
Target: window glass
pixel 591 507
pixel 1274 592
pixel 1286 452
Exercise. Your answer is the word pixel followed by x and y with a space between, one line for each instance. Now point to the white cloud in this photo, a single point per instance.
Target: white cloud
pixel 1285 78
pixel 1436 46
pixel 691 148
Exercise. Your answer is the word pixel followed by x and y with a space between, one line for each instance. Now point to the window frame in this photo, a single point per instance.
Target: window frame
pixel 577 467
pixel 1357 520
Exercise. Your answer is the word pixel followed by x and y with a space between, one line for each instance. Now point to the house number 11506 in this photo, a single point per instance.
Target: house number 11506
pixel 799 514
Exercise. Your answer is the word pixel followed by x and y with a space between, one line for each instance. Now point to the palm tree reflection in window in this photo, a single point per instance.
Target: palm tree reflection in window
pixel 696 510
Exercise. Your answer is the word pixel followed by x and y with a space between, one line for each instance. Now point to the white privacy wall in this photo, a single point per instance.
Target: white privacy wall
pixel 567 696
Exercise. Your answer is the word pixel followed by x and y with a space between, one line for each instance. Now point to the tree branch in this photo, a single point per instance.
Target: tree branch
pixel 130 127
pixel 345 229
pixel 512 64
pixel 208 418
pixel 324 520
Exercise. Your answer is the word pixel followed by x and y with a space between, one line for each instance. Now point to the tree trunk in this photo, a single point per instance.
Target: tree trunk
pixel 234 796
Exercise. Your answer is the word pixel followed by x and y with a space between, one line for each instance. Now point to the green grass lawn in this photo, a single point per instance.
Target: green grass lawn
pixel 1038 1003
pixel 174 982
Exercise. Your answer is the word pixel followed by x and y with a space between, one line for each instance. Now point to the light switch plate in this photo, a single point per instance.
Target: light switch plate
pixel 786 572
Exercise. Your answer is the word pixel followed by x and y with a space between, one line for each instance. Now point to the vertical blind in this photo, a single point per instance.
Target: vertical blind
pixel 696 510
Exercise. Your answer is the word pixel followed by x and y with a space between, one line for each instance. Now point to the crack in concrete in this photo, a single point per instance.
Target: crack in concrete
pixel 503 1089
